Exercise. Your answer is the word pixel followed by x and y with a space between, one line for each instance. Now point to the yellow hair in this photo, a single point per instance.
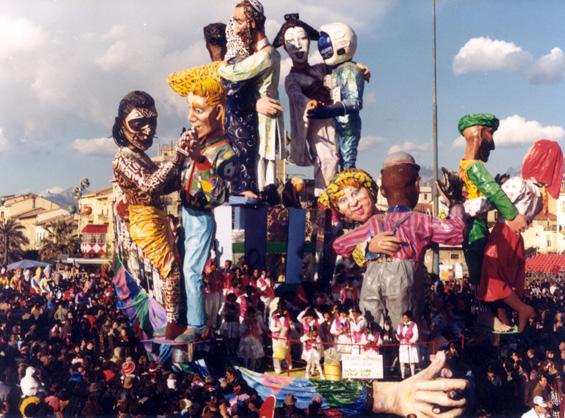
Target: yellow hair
pixel 351 177
pixel 203 81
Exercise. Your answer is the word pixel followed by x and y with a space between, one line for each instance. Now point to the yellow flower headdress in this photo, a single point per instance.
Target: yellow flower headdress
pixel 351 177
pixel 203 81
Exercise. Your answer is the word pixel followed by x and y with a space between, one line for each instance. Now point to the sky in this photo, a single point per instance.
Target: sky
pixel 65 65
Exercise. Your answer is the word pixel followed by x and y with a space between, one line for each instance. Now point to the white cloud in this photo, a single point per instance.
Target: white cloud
pixel 19 35
pixel 4 144
pixel 515 130
pixel 94 146
pixel 486 54
pixel 116 55
pixel 66 64
pixel 370 142
pixel 548 69
pixel 410 147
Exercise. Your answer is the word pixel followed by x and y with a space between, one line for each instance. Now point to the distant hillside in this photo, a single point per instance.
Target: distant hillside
pixel 63 199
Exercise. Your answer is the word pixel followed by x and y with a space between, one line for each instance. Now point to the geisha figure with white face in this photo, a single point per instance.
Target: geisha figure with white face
pixel 312 141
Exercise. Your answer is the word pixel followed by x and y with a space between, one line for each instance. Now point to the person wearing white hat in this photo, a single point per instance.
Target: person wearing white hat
pixel 539 410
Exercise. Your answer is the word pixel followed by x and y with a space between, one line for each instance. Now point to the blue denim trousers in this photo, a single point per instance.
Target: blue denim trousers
pixel 199 229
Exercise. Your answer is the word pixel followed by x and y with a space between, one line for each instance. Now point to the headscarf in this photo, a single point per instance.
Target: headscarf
pixel 481 119
pixel 132 100
pixel 235 47
pixel 351 177
pixel 544 163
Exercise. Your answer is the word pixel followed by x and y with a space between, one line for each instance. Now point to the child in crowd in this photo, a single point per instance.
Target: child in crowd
pixel 311 352
pixel 341 329
pixel 280 328
pixel 358 327
pixel 229 329
pixel 250 345
pixel 371 340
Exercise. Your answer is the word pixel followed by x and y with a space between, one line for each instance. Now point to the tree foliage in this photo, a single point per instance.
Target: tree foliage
pixel 12 240
pixel 62 240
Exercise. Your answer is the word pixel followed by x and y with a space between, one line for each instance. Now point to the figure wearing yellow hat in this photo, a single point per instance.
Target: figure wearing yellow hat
pixel 205 180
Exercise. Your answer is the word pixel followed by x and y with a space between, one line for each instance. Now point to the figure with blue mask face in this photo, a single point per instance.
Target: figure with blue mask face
pixel 337 45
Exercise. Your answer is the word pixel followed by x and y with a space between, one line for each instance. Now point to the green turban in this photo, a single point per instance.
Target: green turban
pixel 481 119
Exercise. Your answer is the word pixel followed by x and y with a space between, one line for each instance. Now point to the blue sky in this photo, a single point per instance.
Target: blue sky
pixel 66 64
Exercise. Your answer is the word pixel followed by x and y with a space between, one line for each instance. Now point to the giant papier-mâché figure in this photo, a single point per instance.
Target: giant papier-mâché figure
pixel 503 271
pixel 337 45
pixel 205 180
pixel 354 194
pixel 143 183
pixel 313 141
pixel 263 66
pixel 478 130
pixel 393 284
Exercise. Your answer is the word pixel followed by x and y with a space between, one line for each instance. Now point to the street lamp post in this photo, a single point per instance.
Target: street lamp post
pixel 434 135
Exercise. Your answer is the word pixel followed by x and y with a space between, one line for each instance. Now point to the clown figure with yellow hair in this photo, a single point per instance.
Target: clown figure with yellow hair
pixel 205 180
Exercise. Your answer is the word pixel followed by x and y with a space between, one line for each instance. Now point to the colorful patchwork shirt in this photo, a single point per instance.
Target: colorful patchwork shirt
pixel 206 183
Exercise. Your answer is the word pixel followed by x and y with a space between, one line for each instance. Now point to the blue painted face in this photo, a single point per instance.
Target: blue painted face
pixel 325 46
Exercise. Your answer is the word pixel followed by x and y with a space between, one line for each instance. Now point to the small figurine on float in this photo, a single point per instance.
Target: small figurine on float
pixel 478 130
pixel 503 270
pixel 205 180
pixel 263 66
pixel 313 141
pixel 143 183
pixel 393 284
pixel 337 45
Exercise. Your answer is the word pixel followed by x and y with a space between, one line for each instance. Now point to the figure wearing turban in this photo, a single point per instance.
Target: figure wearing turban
pixel 503 271
pixel 478 130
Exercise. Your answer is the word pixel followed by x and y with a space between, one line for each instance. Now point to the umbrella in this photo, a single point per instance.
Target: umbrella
pixel 26 264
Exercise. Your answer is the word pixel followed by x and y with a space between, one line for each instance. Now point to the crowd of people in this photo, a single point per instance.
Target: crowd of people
pixel 67 350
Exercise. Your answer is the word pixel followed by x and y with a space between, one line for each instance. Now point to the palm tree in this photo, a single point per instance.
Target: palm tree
pixel 62 239
pixel 12 239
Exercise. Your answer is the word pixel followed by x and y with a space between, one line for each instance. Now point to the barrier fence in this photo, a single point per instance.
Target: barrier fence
pixel 433 345
pixel 361 346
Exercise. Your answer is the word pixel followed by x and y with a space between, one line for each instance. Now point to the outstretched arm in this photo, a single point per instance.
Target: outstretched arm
pixel 488 186
pixel 345 244
pixel 247 68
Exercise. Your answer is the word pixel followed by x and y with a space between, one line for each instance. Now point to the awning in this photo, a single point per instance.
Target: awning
pixel 92 249
pixel 546 263
pixel 94 229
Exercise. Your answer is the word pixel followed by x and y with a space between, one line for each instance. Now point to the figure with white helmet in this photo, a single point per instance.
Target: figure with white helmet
pixel 337 45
